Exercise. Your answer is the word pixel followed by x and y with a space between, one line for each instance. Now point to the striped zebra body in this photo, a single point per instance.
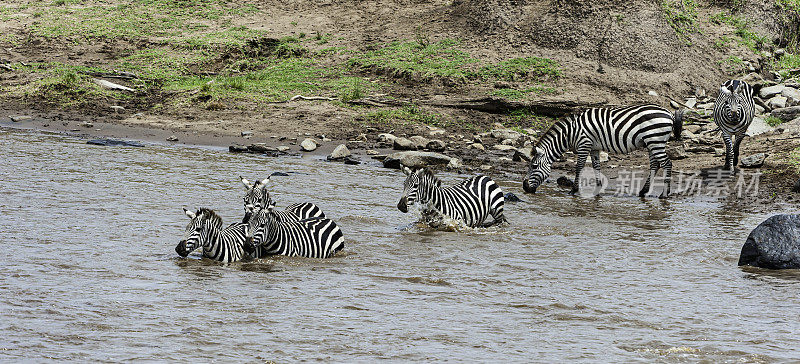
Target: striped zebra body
pixel 733 113
pixel 471 201
pixel 614 130
pixel 205 230
pixel 257 197
pixel 313 238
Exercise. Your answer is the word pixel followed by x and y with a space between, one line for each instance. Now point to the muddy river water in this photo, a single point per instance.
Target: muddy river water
pixel 89 270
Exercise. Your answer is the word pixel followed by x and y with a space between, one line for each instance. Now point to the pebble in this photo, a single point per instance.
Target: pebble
pixel 308 145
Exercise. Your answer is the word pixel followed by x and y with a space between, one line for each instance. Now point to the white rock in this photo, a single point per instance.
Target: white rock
pixel 308 145
pixel 386 138
pixel 691 102
pixel 603 157
pixel 455 163
pixel 477 146
pixel 758 126
pixel 792 96
pixel 760 110
pixel 652 93
pixel 768 92
pixel 339 152
pixel 777 102
pixel 372 152
pixel 507 142
pixel 503 148
pixel 420 142
pixel 283 148
pixel 706 106
pixel 504 159
pixel 505 134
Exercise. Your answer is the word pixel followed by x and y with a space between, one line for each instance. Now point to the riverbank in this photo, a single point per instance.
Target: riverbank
pixel 501 154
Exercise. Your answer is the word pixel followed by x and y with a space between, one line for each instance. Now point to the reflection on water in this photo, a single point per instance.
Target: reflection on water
pixel 90 274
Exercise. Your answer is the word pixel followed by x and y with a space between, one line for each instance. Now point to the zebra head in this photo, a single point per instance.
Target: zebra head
pixel 256 227
pixel 194 234
pixel 410 187
pixel 256 197
pixel 538 170
pixel 732 94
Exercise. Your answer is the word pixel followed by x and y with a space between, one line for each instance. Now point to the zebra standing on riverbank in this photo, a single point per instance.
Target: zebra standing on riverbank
pixel 733 113
pixel 614 130
pixel 205 230
pixel 472 201
pixel 257 198
pixel 268 234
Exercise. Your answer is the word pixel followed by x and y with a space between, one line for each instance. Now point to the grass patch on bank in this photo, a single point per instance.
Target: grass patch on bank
pixel 522 119
pixel 681 15
pixel 746 37
pixel 438 59
pixel 64 86
pixel 773 121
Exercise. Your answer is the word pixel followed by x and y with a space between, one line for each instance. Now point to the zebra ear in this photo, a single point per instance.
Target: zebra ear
pixel 406 171
pixel 724 90
pixel 264 182
pixel 246 183
pixel 189 213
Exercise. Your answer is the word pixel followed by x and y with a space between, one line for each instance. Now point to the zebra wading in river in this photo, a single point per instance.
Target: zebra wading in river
pixel 205 230
pixel 471 201
pixel 733 113
pixel 257 197
pixel 614 130
pixel 315 237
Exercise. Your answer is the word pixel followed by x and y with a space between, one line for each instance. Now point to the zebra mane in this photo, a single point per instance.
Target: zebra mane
pixel 210 215
pixel 425 173
pixel 558 127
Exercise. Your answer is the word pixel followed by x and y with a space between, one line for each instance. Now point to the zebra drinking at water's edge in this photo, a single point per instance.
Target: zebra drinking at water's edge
pixel 733 113
pixel 471 201
pixel 614 130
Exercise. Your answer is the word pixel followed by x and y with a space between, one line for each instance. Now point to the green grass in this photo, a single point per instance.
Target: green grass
pixel 405 116
pixel 439 59
pixel 527 68
pixel 64 86
pixel 788 61
pixel 746 36
pixel 773 121
pixel 681 15
pixel 524 119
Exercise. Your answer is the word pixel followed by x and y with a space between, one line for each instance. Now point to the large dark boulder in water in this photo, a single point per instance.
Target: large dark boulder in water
pixel 774 244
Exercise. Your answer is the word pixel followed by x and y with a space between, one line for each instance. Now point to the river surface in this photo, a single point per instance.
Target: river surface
pixel 90 273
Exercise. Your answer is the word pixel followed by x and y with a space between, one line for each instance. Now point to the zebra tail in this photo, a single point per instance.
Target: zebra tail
pixel 677 123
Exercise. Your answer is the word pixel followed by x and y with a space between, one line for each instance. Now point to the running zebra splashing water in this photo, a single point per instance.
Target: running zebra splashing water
pixel 733 113
pixel 268 234
pixel 205 230
pixel 614 130
pixel 471 201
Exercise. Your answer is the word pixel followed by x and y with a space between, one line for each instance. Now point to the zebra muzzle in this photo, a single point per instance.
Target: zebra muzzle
pixel 402 205
pixel 526 186
pixel 181 249
pixel 249 247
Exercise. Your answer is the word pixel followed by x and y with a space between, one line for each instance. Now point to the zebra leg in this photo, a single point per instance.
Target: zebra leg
pixel 736 144
pixel 582 154
pixel 654 166
pixel 728 151
pixel 596 166
pixel 667 165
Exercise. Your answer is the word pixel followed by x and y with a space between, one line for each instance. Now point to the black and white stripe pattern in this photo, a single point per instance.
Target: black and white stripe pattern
pixel 615 130
pixel 733 113
pixel 205 230
pixel 471 202
pixel 257 197
pixel 313 238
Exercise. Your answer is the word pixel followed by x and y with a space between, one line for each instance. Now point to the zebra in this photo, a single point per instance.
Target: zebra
pixel 314 237
pixel 205 230
pixel 257 197
pixel 471 201
pixel 616 130
pixel 733 113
